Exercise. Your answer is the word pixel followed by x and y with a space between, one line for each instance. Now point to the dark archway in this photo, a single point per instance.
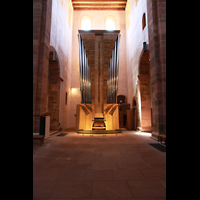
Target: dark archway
pixel 121 99
pixel 53 96
pixel 145 91
pixel 143 21
pixel 134 103
pixel 123 107
pixel 135 109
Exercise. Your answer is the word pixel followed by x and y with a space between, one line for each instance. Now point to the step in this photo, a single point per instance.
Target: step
pixel 99 131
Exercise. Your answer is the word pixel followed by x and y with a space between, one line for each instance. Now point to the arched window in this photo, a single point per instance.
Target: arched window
pixel 143 21
pixel 86 23
pixel 110 23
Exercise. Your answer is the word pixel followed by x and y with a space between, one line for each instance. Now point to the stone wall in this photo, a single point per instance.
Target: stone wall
pixel 135 36
pixel 61 40
pixel 41 44
pixel 52 31
pixel 55 28
pixel 157 51
pixel 154 34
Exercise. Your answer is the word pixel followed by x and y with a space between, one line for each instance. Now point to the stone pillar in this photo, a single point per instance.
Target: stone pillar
pixel 41 44
pixel 156 10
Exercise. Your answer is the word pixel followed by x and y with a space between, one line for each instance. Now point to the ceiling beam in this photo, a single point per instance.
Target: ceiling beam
pixel 99 1
pixel 92 8
pixel 99 4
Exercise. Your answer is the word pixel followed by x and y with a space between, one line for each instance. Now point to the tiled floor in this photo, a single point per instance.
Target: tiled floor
pixel 111 167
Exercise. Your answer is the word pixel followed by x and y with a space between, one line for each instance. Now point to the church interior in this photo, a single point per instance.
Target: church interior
pixel 99 76
pixel 134 82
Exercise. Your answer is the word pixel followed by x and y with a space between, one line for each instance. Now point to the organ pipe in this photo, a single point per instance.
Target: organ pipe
pixel 85 81
pixel 112 82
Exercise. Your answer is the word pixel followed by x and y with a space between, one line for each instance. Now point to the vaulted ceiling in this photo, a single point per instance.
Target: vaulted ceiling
pixel 99 4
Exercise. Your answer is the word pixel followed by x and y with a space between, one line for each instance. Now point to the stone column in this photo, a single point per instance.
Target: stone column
pixel 157 50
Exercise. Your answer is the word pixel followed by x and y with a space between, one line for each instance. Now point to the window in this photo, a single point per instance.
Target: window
pixel 86 23
pixel 110 23
pixel 143 21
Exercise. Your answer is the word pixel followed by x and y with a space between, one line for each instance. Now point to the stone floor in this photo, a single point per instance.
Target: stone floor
pixel 111 167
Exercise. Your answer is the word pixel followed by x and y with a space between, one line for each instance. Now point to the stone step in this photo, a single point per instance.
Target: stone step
pixel 116 131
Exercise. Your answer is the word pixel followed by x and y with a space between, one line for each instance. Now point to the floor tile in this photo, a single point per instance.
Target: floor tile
pixel 155 159
pixel 51 199
pixel 147 189
pixel 110 159
pixel 163 183
pixel 72 189
pixel 117 167
pixel 81 166
pixel 56 164
pixel 111 189
pixel 105 166
pixel 98 175
pixel 46 174
pixel 128 174
pixel 42 188
pixel 137 165
pixel 71 174
pixel 94 199
pixel 154 174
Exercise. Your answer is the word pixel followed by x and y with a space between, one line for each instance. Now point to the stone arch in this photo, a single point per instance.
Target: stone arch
pixel 121 99
pixel 134 104
pixel 145 91
pixel 53 94
pixel 144 63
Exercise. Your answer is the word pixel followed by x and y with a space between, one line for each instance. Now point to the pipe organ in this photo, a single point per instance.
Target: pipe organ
pixel 112 81
pixel 99 63
pixel 85 81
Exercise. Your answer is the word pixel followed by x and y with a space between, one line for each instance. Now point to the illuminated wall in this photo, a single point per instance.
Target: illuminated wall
pixel 135 37
pixel 98 22
pixel 61 40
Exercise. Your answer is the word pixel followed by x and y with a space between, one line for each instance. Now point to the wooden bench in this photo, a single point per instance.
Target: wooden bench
pixel 162 138
pixel 39 137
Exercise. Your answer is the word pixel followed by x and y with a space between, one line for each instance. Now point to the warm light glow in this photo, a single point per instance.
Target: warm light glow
pixel 110 23
pixel 143 133
pixel 73 89
pixel 100 135
pixel 86 23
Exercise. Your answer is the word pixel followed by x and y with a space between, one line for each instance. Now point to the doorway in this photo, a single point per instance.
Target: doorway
pixel 135 107
pixel 124 121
